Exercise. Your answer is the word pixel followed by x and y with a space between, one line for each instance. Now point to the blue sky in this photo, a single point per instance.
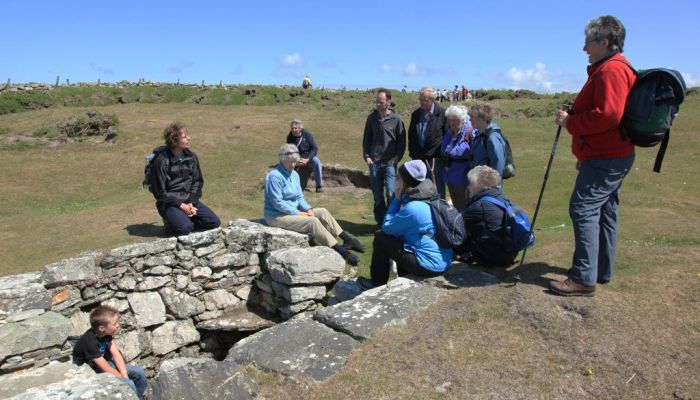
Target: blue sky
pixel 533 44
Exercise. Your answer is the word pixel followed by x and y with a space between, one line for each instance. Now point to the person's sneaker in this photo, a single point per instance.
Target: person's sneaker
pixel 364 283
pixel 354 244
pixel 351 258
pixel 319 189
pixel 571 288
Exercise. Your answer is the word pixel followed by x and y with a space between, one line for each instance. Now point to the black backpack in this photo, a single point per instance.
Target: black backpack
pixel 651 106
pixel 509 170
pixel 449 224
pixel 148 170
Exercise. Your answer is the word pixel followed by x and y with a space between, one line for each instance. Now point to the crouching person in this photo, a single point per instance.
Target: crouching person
pixel 177 185
pixel 96 348
pixel 408 230
pixel 286 208
pixel 486 242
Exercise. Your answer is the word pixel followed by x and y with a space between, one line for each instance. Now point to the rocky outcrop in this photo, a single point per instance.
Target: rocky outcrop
pixel 198 378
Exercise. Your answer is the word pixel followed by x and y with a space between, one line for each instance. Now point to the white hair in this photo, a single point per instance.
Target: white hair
pixel 297 122
pixel 483 177
pixel 457 111
pixel 288 152
pixel 431 92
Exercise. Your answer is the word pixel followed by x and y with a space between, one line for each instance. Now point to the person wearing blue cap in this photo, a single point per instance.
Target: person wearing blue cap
pixel 408 230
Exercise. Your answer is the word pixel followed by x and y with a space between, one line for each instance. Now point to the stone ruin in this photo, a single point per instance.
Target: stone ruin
pixel 194 308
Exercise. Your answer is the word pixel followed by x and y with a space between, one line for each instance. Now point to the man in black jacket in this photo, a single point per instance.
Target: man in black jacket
pixel 383 145
pixel 177 185
pixel 425 135
pixel 308 151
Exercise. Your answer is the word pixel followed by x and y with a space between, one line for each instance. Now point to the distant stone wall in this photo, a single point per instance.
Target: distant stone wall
pixel 190 296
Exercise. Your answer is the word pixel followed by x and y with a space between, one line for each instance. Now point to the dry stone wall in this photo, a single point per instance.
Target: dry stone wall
pixel 188 296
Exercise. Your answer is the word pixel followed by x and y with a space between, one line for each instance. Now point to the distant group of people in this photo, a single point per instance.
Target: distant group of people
pixel 456 94
pixel 458 151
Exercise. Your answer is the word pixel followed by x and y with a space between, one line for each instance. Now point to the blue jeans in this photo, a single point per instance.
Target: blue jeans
pixel 318 171
pixel 382 180
pixel 137 378
pixel 181 224
pixel 593 211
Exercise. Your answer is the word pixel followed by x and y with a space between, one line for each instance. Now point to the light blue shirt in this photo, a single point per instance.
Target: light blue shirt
pixel 283 193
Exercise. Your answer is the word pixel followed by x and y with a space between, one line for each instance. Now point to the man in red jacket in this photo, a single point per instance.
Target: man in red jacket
pixel 604 157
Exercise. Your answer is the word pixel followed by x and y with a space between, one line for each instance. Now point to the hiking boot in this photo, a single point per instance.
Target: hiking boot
pixel 571 288
pixel 347 255
pixel 352 243
pixel 319 189
pixel 364 283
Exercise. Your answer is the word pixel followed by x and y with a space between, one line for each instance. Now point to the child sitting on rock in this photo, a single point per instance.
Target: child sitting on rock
pixel 96 348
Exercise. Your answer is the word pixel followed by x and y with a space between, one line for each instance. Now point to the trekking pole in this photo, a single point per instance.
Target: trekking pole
pixel 516 277
pixel 544 183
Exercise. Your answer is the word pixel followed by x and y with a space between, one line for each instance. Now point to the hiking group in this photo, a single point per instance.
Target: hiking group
pixel 456 153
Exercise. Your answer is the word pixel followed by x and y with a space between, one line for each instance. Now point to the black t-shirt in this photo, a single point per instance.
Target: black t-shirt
pixel 90 347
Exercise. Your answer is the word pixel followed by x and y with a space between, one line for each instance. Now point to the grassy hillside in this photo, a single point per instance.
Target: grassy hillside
pixel 638 338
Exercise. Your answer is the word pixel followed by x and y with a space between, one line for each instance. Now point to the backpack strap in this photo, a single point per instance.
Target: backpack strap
pixel 662 151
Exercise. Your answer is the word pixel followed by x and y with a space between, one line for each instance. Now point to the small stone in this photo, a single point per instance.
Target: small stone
pixel 159 270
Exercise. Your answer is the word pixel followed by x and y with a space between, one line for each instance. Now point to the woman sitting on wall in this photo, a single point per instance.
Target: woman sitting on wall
pixel 286 208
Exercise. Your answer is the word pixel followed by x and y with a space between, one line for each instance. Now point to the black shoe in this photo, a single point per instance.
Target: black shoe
pixel 352 243
pixel 347 255
pixel 364 283
pixel 319 189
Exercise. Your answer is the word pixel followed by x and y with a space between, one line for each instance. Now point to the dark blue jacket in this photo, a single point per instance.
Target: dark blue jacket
pixel 305 143
pixel 484 224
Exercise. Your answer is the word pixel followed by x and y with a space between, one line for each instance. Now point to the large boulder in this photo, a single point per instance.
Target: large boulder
pixel 298 347
pixel 305 266
pixel 386 305
pixel 199 378
pixel 172 335
pixel 64 381
pixel 46 330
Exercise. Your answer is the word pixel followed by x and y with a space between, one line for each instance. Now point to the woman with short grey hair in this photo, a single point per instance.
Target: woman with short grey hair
pixel 286 208
pixel 604 156
pixel 455 154
pixel 487 240
pixel 482 178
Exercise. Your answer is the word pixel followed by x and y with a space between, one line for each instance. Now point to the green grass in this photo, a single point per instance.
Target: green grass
pixel 490 342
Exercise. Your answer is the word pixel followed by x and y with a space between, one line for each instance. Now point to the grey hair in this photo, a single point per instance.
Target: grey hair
pixel 607 27
pixel 457 111
pixel 483 177
pixel 297 122
pixel 431 92
pixel 288 152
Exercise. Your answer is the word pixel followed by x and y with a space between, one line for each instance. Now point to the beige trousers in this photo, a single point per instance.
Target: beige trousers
pixel 322 227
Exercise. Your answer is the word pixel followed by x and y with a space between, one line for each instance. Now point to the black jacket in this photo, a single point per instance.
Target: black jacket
pixel 176 181
pixel 435 132
pixel 305 143
pixel 384 138
pixel 484 224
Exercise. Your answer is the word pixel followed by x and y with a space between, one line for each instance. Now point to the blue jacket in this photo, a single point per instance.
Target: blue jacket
pixel 283 194
pixel 493 154
pixel 455 156
pixel 410 219
pixel 305 143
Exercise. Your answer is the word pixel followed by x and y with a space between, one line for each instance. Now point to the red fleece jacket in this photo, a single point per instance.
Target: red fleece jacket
pixel 598 110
